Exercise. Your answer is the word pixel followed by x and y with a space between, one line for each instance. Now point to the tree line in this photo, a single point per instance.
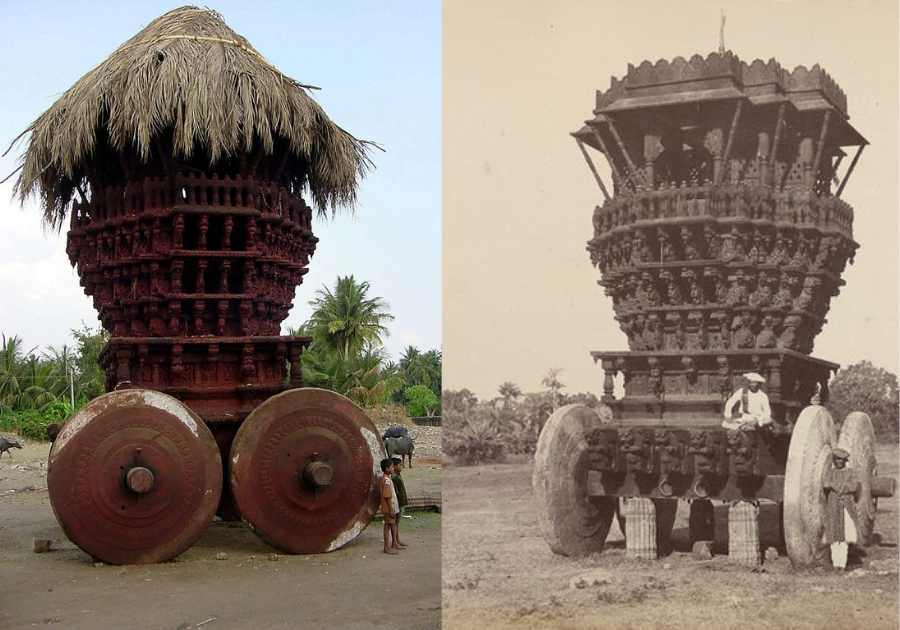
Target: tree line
pixel 346 355
pixel 487 431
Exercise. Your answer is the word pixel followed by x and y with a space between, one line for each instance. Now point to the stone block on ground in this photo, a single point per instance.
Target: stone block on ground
pixel 42 545
pixel 702 550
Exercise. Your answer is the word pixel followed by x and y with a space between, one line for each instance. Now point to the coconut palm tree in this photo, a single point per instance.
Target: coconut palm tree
pixel 509 391
pixel 346 319
pixel 552 382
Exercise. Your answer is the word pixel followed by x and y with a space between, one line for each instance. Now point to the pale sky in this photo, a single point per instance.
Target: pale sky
pixel 520 294
pixel 379 67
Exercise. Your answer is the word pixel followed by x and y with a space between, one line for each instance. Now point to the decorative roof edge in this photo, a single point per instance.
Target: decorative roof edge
pixel 755 74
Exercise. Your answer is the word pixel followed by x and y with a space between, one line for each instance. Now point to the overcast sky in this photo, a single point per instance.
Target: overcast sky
pixel 519 290
pixel 379 67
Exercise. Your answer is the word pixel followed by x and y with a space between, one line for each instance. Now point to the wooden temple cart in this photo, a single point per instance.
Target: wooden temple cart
pixel 721 245
pixel 181 164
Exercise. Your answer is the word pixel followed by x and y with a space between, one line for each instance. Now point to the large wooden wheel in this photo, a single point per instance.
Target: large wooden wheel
pixel 305 469
pixel 572 523
pixel 134 477
pixel 809 456
pixel 858 439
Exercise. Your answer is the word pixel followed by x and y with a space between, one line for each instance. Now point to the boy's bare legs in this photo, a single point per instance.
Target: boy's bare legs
pixel 388 532
pixel 402 545
pixel 394 535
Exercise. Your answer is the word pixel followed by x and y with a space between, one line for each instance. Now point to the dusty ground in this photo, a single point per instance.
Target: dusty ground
pixel 499 573
pixel 343 589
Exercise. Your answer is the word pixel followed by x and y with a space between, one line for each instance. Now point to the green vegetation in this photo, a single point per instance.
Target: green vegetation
pixel 477 432
pixel 421 401
pixel 873 390
pixel 36 390
pixel 486 431
pixel 346 354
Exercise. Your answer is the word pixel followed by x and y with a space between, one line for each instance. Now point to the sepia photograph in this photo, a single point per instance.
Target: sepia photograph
pixel 670 266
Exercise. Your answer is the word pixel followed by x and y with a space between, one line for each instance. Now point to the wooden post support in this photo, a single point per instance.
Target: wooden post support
pixel 640 528
pixel 730 143
pixel 850 170
pixel 743 533
pixel 631 167
pixel 612 163
pixel 776 144
pixel 590 163
pixel 820 147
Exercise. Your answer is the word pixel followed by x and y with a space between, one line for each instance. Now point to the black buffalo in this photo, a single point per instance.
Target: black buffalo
pixel 6 444
pixel 397 431
pixel 400 446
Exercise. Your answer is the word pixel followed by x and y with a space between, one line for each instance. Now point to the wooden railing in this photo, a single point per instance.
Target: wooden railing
pixel 724 202
pixel 156 194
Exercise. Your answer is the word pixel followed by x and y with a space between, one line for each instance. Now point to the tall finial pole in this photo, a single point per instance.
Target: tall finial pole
pixel 722 34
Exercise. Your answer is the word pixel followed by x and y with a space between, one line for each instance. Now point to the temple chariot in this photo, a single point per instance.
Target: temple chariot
pixel 184 166
pixel 721 242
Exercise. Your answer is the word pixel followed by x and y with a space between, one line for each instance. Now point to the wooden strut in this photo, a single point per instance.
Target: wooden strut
pixel 590 163
pixel 835 168
pixel 632 170
pixel 850 170
pixel 730 143
pixel 776 143
pixel 612 163
pixel 820 146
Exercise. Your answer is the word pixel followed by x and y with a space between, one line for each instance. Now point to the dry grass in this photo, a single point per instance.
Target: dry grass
pixel 191 79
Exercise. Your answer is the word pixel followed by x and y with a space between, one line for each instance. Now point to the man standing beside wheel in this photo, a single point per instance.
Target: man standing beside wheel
pixel 754 408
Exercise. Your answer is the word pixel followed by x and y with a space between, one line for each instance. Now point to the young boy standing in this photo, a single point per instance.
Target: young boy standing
pixel 389 507
pixel 402 499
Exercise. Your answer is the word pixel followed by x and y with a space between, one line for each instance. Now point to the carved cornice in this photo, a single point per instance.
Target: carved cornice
pixel 745 76
pixel 681 70
pixel 816 79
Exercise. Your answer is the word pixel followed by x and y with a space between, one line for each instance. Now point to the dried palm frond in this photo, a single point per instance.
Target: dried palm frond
pixel 191 80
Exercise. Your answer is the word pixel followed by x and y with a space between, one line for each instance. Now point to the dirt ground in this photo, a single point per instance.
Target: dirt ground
pixel 499 573
pixel 248 588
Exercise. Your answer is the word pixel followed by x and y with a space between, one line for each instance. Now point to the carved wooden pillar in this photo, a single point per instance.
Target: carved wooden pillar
pixel 609 372
pixel 204 228
pixel 296 367
pixel 201 276
pixel 762 158
pixel 123 371
pixel 713 144
pixel 774 384
pixel 806 158
pixel 652 149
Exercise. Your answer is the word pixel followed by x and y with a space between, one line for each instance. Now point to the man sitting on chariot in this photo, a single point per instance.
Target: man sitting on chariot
pixel 754 410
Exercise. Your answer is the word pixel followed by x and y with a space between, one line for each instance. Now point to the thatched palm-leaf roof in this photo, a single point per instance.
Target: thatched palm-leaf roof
pixel 191 81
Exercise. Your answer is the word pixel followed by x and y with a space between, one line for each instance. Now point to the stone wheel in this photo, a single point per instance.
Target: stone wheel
pixel 134 477
pixel 809 455
pixel 572 523
pixel 858 439
pixel 305 470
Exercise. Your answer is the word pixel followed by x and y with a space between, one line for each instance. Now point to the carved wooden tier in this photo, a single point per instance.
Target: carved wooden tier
pixel 723 242
pixel 191 256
